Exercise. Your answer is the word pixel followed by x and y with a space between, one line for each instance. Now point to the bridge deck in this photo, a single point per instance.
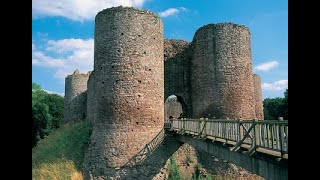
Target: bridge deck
pixel 268 137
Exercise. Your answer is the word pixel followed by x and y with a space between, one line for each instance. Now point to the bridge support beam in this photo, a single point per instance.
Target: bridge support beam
pixel 260 164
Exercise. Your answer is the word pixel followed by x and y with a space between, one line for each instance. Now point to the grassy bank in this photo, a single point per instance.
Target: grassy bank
pixel 60 155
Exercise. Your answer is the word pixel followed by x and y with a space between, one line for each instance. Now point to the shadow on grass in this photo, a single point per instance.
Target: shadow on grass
pixel 146 164
pixel 62 152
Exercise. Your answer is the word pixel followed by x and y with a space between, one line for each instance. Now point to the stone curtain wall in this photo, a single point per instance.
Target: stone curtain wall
pixel 91 99
pixel 221 72
pixel 128 88
pixel 177 57
pixel 75 100
pixel 135 70
pixel 258 97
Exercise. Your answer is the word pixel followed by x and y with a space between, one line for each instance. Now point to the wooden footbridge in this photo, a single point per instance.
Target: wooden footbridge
pixel 260 146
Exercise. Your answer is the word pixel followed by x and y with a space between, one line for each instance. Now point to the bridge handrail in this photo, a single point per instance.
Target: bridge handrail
pixel 237 121
pixel 263 135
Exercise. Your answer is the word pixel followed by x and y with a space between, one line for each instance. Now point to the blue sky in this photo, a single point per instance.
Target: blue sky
pixel 62 34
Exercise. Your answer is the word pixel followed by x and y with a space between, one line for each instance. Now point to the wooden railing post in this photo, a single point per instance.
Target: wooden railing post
pixel 281 131
pixel 183 123
pixel 199 126
pixel 204 131
pixel 256 138
pixel 240 129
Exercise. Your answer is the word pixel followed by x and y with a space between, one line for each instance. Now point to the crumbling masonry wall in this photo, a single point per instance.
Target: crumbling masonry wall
pixel 177 57
pixel 136 70
pixel 258 97
pixel 221 72
pixel 75 99
pixel 128 89
pixel 91 99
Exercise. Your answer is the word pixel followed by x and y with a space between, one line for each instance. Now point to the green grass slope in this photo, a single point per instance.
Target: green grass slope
pixel 60 155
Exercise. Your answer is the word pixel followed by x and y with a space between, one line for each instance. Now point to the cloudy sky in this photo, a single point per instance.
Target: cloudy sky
pixel 62 34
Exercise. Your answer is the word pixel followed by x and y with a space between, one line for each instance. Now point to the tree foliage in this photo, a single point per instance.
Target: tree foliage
pixel 47 113
pixel 276 107
pixel 55 105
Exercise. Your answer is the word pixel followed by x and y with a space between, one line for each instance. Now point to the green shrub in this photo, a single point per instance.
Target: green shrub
pixel 174 173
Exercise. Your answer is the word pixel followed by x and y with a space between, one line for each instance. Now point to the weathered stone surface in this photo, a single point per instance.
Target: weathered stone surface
pixel 177 56
pixel 221 168
pixel 75 99
pixel 258 97
pixel 148 163
pixel 128 89
pixel 135 70
pixel 221 72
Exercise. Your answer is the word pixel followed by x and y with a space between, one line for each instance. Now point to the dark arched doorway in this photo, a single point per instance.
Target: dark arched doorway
pixel 174 107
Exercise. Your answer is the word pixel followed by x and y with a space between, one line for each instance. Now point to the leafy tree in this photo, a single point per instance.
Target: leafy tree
pixel 47 113
pixel 285 105
pixel 41 119
pixel 266 114
pixel 273 107
pixel 276 107
pixel 55 104
pixel 38 94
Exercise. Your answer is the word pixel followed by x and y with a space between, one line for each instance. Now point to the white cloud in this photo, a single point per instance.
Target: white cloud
pixel 168 12
pixel 77 10
pixel 64 56
pixel 69 45
pixel 183 9
pixel 172 11
pixel 34 61
pixel 276 86
pixel 267 66
pixel 52 92
pixel 39 58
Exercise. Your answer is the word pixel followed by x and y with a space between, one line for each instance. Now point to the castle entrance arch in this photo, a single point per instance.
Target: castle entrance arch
pixel 174 107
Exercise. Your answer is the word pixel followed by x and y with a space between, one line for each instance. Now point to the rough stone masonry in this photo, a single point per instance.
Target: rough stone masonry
pixel 221 72
pixel 136 70
pixel 75 99
pixel 128 89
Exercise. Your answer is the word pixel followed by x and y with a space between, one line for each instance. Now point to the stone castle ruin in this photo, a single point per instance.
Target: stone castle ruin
pixel 136 70
pixel 75 99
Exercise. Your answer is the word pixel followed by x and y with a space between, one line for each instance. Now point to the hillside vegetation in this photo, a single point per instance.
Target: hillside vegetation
pixel 60 154
pixel 47 113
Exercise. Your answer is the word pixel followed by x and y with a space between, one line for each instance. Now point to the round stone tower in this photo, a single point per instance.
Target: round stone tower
pixel 75 98
pixel 258 97
pixel 128 88
pixel 221 72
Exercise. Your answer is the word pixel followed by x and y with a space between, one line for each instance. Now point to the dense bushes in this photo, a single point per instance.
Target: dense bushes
pixel 273 108
pixel 47 113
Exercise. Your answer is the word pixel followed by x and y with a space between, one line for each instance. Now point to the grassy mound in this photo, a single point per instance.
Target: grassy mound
pixel 60 155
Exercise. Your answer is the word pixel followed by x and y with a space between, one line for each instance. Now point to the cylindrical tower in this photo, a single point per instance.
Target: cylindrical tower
pixel 75 98
pixel 221 72
pixel 129 86
pixel 258 97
